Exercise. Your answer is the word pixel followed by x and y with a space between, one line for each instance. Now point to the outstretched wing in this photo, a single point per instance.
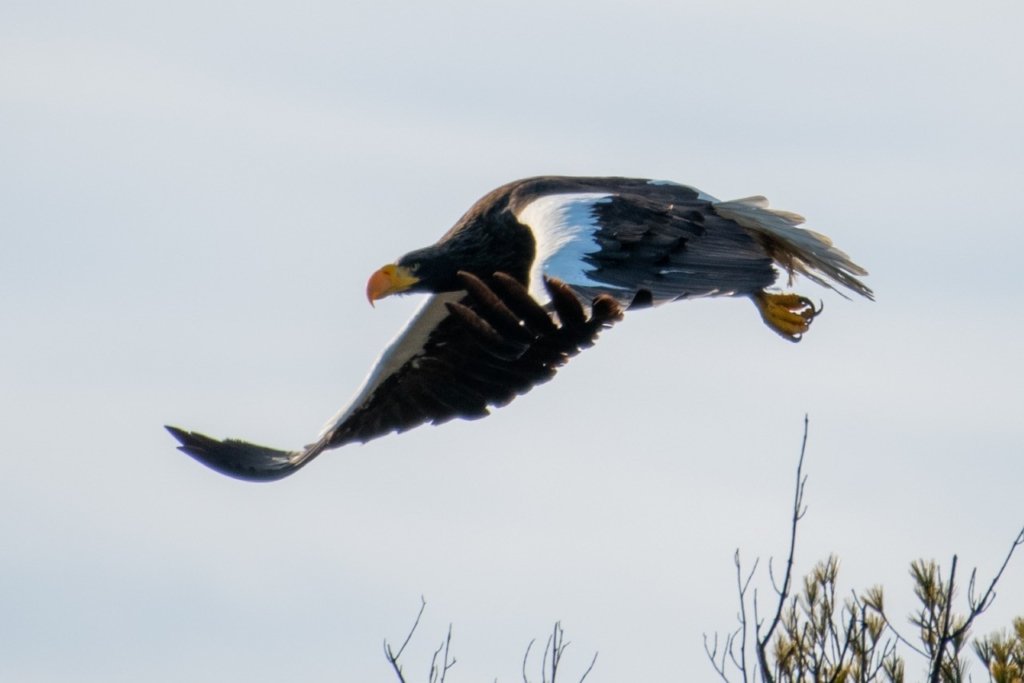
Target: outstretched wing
pixel 649 242
pixel 461 354
pixel 641 242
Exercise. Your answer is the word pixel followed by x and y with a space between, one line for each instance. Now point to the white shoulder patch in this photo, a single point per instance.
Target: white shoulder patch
pixel 563 227
pixel 406 344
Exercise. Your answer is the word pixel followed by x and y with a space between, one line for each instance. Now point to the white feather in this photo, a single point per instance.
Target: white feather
pixel 407 344
pixel 563 227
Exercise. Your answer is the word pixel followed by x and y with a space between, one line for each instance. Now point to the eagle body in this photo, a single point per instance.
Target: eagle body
pixel 641 240
pixel 529 276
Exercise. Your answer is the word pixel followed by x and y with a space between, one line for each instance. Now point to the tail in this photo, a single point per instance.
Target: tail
pixel 797 250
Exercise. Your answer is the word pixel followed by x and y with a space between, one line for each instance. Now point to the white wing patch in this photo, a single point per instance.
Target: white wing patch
pixel 406 344
pixel 563 227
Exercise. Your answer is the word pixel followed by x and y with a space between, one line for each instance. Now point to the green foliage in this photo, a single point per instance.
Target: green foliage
pixel 1003 654
pixel 820 637
pixel 942 633
pixel 815 636
pixel 821 641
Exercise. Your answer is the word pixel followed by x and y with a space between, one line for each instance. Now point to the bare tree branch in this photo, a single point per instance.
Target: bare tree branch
pixel 742 585
pixel 892 629
pixel 438 674
pixel 590 668
pixel 526 658
pixel 712 653
pixel 811 637
pixel 979 606
pixel 554 650
pixel 945 613
pixel 393 656
pixel 798 512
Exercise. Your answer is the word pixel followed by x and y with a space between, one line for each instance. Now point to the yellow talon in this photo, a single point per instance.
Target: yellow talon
pixel 789 315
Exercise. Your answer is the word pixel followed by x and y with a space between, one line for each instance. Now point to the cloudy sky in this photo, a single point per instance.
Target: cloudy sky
pixel 192 195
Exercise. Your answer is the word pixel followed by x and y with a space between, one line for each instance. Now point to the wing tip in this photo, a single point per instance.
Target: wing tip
pixel 187 441
pixel 239 459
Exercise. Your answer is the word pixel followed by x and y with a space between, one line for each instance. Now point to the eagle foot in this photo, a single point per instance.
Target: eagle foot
pixel 788 315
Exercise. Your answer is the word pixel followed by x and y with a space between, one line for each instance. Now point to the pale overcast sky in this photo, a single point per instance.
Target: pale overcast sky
pixel 192 195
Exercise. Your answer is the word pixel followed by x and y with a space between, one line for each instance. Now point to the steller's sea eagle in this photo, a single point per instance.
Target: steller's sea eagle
pixel 530 275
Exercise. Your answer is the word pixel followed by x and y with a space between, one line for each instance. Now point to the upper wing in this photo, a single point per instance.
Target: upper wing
pixel 641 242
pixel 460 354
pixel 646 241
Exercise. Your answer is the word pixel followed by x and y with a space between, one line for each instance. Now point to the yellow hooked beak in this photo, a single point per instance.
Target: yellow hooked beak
pixel 391 279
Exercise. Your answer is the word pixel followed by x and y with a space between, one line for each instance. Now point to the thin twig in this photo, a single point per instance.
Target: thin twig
pixel 393 656
pixel 544 662
pixel 742 585
pixel 899 636
pixel 589 668
pixel 526 658
pixel 798 513
pixel 977 607
pixel 712 653
pixel 944 635
pixel 557 648
pixel 438 675
pixel 980 606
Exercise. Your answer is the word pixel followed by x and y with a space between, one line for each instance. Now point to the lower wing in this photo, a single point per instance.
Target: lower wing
pixel 460 355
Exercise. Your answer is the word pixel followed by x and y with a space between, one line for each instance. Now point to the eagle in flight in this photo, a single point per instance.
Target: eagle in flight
pixel 530 275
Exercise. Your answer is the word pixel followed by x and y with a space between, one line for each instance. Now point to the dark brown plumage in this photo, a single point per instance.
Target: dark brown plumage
pixel 511 283
pixel 496 343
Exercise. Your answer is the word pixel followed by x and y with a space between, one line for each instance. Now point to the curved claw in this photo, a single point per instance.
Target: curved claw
pixel 788 315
